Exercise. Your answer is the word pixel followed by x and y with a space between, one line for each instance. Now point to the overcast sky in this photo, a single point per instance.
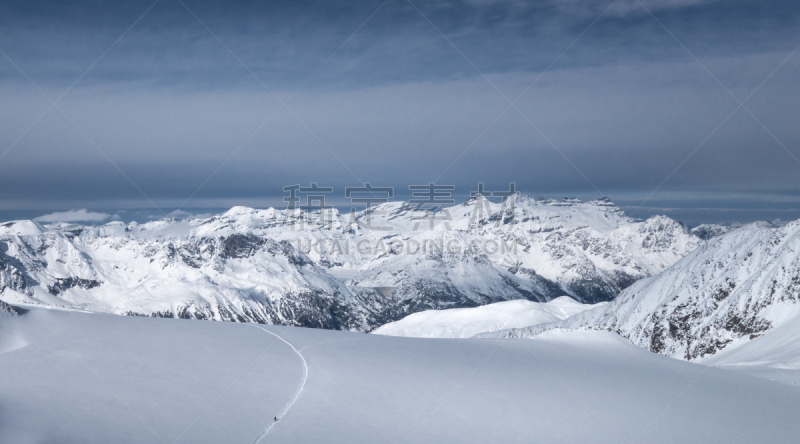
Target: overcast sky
pixel 608 100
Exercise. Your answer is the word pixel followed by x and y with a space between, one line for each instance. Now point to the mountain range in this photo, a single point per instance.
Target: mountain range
pixel 339 270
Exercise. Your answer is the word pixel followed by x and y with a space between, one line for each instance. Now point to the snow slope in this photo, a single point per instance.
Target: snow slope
pixel 775 355
pixel 736 296
pixel 297 392
pixel 106 378
pixel 467 322
pixel 777 348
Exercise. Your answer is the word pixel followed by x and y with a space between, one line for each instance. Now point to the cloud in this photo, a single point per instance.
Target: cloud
pixel 625 7
pixel 180 214
pixel 172 111
pixel 81 215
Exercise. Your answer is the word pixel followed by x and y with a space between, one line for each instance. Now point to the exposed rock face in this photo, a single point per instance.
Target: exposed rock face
pixel 707 231
pixel 6 310
pixel 62 284
pixel 11 277
pixel 272 266
pixel 726 292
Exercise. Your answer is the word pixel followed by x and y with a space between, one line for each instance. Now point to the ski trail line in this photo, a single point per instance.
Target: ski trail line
pixel 299 389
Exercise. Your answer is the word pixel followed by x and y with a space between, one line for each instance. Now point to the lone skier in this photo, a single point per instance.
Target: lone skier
pixel 276 418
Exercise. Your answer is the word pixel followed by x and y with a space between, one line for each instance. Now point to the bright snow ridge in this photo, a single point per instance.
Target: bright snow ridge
pixel 467 322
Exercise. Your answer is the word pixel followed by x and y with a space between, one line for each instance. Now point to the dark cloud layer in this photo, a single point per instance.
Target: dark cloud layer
pixel 170 110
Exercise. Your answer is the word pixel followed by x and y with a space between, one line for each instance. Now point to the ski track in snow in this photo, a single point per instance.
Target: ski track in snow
pixel 297 392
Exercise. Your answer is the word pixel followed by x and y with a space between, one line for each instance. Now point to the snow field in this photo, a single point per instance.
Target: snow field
pixel 167 380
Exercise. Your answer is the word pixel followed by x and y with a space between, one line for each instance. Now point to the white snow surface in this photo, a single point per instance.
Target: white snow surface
pixel 103 378
pixel 467 322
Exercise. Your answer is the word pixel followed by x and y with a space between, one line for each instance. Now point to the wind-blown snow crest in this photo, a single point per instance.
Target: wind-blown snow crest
pixel 467 322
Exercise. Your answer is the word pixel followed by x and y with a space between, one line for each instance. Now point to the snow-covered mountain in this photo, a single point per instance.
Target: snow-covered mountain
pixel 725 294
pixel 156 270
pixel 467 322
pixel 337 270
